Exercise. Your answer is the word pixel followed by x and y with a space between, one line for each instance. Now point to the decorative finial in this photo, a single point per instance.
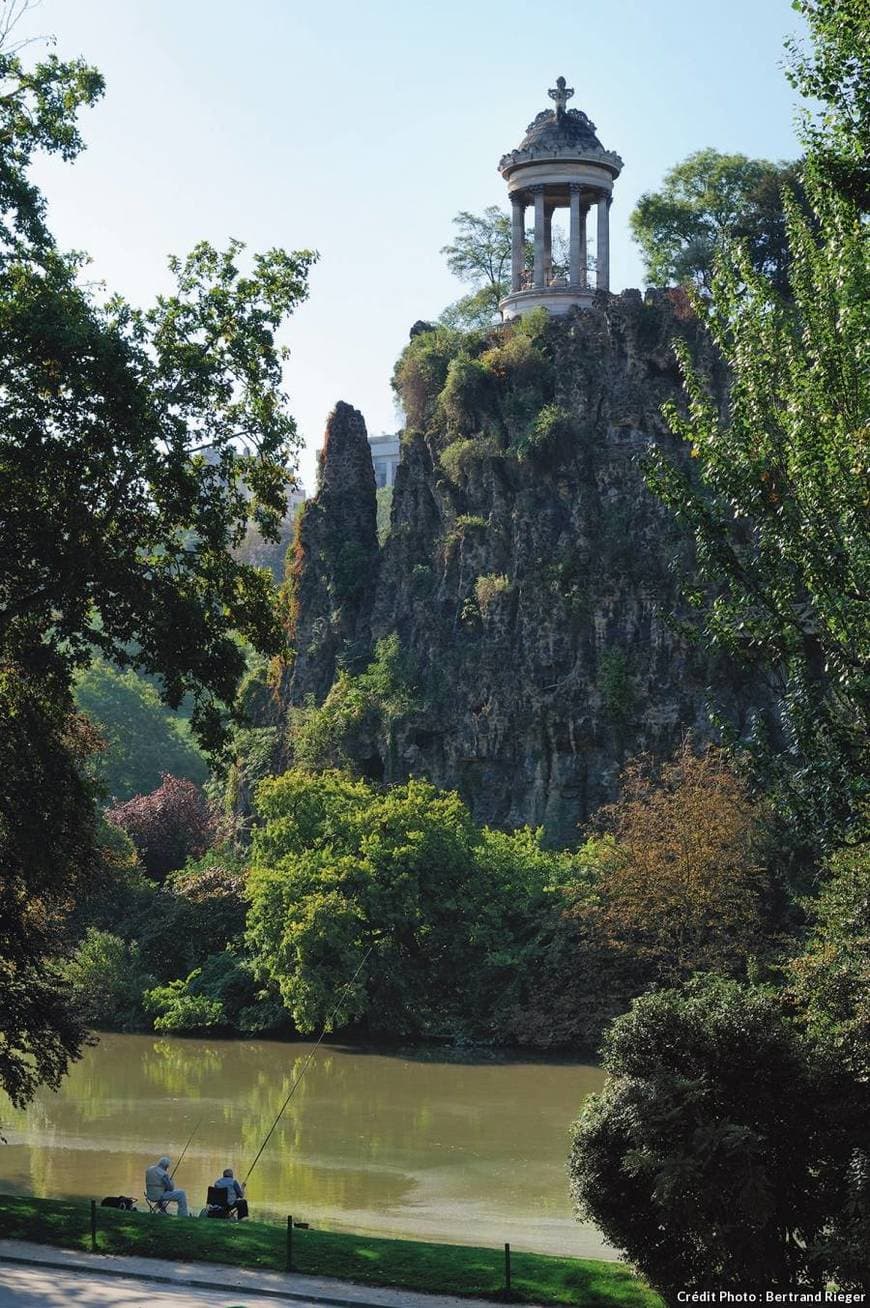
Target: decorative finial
pixel 561 94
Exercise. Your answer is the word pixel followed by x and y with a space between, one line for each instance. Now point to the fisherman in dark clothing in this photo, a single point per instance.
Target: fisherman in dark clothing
pixel 236 1196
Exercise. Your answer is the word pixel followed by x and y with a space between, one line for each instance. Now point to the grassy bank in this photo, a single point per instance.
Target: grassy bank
pixel 411 1264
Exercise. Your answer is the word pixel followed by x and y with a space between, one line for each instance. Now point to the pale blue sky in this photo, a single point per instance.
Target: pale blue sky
pixel 360 129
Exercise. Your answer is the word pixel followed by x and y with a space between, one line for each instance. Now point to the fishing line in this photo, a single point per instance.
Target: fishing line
pixel 185 1149
pixel 295 1086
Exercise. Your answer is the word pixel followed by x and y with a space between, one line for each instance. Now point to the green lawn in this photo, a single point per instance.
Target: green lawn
pixel 407 1263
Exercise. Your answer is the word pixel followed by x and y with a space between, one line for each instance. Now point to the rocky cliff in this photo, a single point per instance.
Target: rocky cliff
pixel 514 638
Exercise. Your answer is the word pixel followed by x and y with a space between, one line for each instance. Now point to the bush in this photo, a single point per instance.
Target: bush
pixel 466 397
pixel 174 1008
pixel 106 979
pixel 143 737
pixel 198 911
pixel 830 981
pixel 397 892
pixel 614 683
pixel 679 882
pixel 168 827
pixel 552 433
pixel 421 372
pixel 717 1154
pixel 458 457
pixel 489 588
pixel 360 705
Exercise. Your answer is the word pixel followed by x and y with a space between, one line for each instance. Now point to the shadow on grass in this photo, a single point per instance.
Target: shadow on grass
pixel 409 1264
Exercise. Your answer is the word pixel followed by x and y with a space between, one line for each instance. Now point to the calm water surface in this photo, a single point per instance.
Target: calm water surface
pixel 472 1152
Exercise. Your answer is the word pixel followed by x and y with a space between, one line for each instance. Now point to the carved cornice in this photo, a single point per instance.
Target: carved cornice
pixel 541 154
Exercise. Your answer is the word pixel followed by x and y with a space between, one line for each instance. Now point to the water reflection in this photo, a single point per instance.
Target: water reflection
pixel 465 1151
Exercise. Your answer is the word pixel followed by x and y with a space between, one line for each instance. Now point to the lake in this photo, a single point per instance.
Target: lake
pixel 471 1151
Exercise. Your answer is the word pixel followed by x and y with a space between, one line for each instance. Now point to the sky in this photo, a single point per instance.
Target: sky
pixel 360 128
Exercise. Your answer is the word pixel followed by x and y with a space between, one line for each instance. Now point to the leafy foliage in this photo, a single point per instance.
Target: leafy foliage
pixel 143 739
pixel 388 908
pixel 117 532
pixel 124 485
pixel 50 855
pixel 678 878
pixel 106 978
pixel 706 199
pixel 175 1008
pixel 480 255
pixel 492 394
pixel 358 704
pixel 830 980
pixel 780 515
pixel 715 1155
pixel 168 827
pixel 836 72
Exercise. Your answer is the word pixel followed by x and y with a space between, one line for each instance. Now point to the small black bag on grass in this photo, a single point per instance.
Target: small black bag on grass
pixel 119 1201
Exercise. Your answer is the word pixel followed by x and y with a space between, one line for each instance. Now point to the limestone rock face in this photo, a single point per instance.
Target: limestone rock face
pixel 335 561
pixel 532 591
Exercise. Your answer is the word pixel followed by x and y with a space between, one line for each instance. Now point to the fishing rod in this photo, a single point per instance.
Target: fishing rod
pixel 185 1149
pixel 295 1086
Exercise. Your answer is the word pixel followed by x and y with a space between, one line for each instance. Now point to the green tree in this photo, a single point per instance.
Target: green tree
pixel 779 507
pixel 836 72
pixel 390 905
pixel 116 529
pixel 716 1155
pixel 830 980
pixel 143 738
pixel 106 979
pixel 708 198
pixel 50 857
pixel 481 255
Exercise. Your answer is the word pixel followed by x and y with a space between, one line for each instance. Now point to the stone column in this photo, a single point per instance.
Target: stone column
pixel 602 252
pixel 518 237
pixel 538 279
pixel 584 246
pixel 574 266
pixel 548 246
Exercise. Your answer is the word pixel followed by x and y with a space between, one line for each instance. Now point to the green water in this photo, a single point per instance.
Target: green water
pixel 471 1151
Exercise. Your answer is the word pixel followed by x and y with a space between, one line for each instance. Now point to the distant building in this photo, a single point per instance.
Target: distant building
pixel 385 457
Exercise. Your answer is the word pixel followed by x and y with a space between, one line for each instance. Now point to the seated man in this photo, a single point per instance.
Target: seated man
pixel 159 1188
pixel 236 1196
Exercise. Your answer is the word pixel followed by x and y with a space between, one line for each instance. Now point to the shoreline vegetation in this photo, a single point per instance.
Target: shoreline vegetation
pixel 372 1260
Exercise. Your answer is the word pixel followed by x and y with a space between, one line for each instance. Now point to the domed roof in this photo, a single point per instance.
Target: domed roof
pixel 552 131
pixel 560 132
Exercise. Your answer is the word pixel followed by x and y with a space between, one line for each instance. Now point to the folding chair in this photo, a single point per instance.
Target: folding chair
pixel 217 1203
pixel 156 1206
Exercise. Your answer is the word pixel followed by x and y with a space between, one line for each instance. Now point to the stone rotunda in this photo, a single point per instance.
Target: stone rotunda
pixel 560 163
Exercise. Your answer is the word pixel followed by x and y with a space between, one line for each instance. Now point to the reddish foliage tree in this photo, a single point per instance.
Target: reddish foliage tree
pixel 168 827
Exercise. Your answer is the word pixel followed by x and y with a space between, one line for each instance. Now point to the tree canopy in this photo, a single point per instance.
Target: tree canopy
pixel 395 891
pixel 708 198
pixel 481 255
pixel 142 737
pixel 720 1150
pixel 779 507
pixel 679 875
pixel 835 71
pixel 135 444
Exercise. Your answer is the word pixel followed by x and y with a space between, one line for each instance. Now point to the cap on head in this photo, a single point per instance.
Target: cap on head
pixel 228 1171
pixel 164 1161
